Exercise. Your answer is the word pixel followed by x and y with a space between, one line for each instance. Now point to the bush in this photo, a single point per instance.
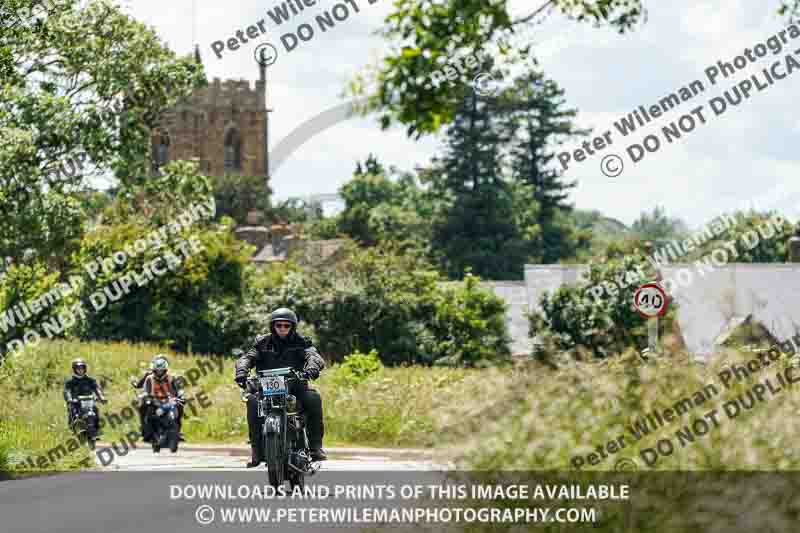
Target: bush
pixel 759 237
pixel 236 196
pixel 194 307
pixel 370 299
pixel 4 468
pixel 394 303
pixel 573 320
pixel 24 284
pixel 469 325
pixel 356 368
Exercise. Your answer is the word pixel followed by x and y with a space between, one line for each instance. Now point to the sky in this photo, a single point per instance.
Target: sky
pixel 747 153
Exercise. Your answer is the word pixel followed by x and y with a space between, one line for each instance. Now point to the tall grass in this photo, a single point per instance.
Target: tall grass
pixel 527 417
pixel 393 407
pixel 539 419
pixel 33 415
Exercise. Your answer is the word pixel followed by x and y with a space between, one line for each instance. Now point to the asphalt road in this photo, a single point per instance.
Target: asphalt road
pixel 140 491
pixel 233 458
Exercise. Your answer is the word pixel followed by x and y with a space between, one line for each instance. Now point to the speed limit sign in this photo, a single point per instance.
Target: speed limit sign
pixel 650 300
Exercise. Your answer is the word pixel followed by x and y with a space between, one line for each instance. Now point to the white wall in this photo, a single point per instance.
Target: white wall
pixel 770 292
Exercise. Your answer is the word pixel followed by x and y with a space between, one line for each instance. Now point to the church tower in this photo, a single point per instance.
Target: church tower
pixel 223 125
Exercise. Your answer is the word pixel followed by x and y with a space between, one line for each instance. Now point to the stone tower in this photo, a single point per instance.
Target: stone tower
pixel 224 126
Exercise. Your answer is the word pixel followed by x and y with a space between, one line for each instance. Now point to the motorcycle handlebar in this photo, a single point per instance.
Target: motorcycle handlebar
pixel 178 399
pixel 251 384
pixel 298 375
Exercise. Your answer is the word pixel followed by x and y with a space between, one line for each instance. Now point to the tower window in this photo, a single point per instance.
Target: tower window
pixel 233 151
pixel 160 150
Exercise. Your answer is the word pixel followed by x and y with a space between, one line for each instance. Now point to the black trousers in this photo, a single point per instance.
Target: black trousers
pixel 311 402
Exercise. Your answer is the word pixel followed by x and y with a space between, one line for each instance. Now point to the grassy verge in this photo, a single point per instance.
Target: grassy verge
pixel 537 418
pixel 394 407
pixel 531 417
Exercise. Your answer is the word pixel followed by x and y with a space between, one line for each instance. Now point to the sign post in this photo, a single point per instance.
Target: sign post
pixel 651 302
pixel 652 335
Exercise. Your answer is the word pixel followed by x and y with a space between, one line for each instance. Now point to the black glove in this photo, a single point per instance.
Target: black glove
pixel 103 401
pixel 241 381
pixel 312 372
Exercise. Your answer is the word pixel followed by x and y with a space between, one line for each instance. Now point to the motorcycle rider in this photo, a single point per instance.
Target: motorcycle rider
pixel 138 384
pixel 158 383
pixel 284 347
pixel 80 384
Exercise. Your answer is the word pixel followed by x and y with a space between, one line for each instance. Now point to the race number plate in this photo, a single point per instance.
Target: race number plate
pixel 272 385
pixel 87 404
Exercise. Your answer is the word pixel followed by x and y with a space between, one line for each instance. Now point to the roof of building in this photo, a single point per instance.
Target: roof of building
pixel 268 255
pixel 323 248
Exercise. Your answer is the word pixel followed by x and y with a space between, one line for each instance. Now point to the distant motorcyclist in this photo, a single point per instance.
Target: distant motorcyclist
pixel 80 384
pixel 158 383
pixel 284 347
pixel 138 384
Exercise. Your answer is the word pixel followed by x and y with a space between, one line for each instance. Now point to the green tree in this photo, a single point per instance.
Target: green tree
pixel 196 305
pixel 425 36
pixel 533 113
pixel 658 227
pixel 79 84
pixel 236 196
pixel 474 226
pixel 363 194
pixel 294 211
pixel 378 206
pixel 383 206
pixel 392 301
pixel 371 166
pixel 758 237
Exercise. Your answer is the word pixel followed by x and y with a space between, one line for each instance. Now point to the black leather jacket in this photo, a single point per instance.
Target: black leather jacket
pixel 269 351
pixel 76 386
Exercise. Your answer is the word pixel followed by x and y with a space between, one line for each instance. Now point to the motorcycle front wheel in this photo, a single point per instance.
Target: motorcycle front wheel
pixel 172 439
pixel 273 449
pixel 297 479
pixel 156 442
pixel 91 433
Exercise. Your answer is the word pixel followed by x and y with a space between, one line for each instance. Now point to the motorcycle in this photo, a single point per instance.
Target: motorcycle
pixel 162 416
pixel 85 423
pixel 283 431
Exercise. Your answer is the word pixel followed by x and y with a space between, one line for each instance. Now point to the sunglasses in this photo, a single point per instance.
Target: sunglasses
pixel 283 326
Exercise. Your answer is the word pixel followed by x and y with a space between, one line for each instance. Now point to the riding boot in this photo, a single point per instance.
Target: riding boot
pixel 318 454
pixel 256 457
pixel 312 404
pixel 256 453
pixel 254 430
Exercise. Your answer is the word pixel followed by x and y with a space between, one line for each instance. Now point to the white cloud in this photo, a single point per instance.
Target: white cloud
pixel 733 157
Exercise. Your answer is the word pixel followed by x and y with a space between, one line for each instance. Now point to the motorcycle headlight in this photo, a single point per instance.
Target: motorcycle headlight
pixel 159 411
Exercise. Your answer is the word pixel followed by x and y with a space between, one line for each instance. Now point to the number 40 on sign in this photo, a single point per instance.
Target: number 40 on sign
pixel 650 300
